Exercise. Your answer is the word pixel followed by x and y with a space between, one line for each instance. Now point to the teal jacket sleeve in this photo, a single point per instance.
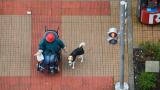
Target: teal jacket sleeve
pixel 60 42
pixel 42 44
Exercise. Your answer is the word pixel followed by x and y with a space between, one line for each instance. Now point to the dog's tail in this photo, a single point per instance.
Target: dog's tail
pixel 82 44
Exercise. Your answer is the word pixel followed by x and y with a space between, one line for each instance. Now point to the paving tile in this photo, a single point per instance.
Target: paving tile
pixel 13 83
pixel 79 30
pixel 49 13
pixel 15 45
pixel 90 83
pixel 86 8
pixel 156 36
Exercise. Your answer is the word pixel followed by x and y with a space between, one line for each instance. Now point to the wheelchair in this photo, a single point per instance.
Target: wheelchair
pixel 52 65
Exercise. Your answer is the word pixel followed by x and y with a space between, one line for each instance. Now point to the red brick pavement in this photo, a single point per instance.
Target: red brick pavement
pixel 49 13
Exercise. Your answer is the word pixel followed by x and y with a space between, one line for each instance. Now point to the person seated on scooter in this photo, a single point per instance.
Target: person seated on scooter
pixel 50 47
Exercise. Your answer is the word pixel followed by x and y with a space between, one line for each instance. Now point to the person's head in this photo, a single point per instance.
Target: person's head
pixel 50 37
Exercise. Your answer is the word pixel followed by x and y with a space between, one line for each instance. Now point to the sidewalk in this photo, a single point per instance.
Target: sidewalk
pixel 100 69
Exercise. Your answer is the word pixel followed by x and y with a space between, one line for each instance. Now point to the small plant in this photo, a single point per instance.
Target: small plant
pixel 146 81
pixel 151 50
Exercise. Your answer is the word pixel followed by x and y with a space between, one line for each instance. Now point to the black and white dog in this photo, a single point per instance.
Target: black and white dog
pixel 78 52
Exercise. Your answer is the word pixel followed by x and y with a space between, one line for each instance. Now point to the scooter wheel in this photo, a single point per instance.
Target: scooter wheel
pixel 52 72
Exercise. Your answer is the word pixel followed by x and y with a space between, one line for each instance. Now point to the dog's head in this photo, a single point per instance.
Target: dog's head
pixel 70 59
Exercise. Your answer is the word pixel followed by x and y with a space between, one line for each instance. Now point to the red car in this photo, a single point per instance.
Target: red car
pixel 148 11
